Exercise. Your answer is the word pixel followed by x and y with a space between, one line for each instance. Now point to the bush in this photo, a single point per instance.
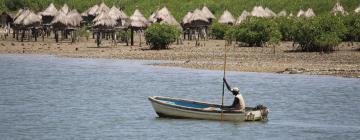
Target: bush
pixel 287 27
pixel 256 32
pixel 352 23
pixel 160 36
pixel 218 30
pixel 320 34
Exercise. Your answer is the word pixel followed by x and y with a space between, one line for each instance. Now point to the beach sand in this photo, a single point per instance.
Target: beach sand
pixel 209 55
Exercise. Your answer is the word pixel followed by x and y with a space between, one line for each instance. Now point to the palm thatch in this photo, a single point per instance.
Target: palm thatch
pixel 164 15
pixel 22 15
pixel 105 20
pixel 227 18
pixel 338 8
pixel 137 20
pixel 207 13
pixel 75 18
pixel 31 19
pixel 357 10
pixel 151 18
pixel 91 11
pixel 18 13
pixel 71 19
pixel 50 11
pixel 243 17
pixel 186 19
pixel 103 8
pixel 198 15
pixel 259 11
pixel 309 13
pixel 300 13
pixel 282 14
pixel 115 13
pixel 65 9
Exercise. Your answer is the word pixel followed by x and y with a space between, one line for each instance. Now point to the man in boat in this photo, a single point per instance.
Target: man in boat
pixel 239 103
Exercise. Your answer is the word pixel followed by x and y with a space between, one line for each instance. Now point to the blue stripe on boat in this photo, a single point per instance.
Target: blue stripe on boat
pixel 182 103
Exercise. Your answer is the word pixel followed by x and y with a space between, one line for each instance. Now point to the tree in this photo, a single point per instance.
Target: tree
pixel 257 32
pixel 320 34
pixel 160 36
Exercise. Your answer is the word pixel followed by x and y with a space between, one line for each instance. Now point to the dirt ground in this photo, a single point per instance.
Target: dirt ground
pixel 209 55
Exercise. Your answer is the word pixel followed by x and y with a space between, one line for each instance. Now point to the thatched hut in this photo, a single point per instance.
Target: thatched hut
pixel 104 26
pixel 243 17
pixel 117 15
pixel 48 14
pixel 208 14
pixel 196 23
pixel 338 9
pixel 66 23
pixel 28 24
pixel 137 23
pixel 227 18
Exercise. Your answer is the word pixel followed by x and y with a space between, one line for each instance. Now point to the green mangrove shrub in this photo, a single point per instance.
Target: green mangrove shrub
pixel 218 30
pixel 319 34
pixel 256 32
pixel 287 27
pixel 352 23
pixel 160 36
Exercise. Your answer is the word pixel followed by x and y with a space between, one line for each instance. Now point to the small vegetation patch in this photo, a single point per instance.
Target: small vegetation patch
pixel 160 36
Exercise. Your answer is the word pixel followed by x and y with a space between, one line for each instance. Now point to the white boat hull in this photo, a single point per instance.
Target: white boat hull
pixel 211 113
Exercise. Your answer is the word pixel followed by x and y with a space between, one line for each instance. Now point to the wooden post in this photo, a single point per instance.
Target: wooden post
pixel 132 37
pixel 222 97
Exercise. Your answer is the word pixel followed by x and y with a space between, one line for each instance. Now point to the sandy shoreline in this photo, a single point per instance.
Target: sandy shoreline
pixel 210 55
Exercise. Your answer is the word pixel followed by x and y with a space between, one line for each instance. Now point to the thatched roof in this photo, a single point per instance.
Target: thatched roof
pixel 91 11
pixel 72 19
pixel 21 15
pixel 309 13
pixel 300 13
pixel 27 18
pixel 18 13
pixel 259 11
pixel 186 19
pixel 105 20
pixel 75 18
pixel 207 13
pixel 243 17
pixel 357 10
pixel 65 9
pixel 227 18
pixel 50 11
pixel 282 13
pixel 338 9
pixel 152 17
pixel 115 13
pixel 138 20
pixel 198 15
pixel 102 8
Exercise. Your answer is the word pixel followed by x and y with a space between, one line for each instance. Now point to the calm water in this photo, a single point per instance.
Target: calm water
pixel 45 97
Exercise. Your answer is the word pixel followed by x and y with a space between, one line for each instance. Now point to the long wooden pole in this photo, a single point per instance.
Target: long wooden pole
pixel 222 97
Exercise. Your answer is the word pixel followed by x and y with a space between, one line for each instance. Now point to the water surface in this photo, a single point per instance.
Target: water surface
pixel 46 97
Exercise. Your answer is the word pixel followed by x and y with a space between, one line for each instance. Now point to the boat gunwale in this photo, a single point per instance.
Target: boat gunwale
pixel 153 99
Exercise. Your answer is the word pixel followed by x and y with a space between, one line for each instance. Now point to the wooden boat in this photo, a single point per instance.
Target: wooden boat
pixel 181 108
